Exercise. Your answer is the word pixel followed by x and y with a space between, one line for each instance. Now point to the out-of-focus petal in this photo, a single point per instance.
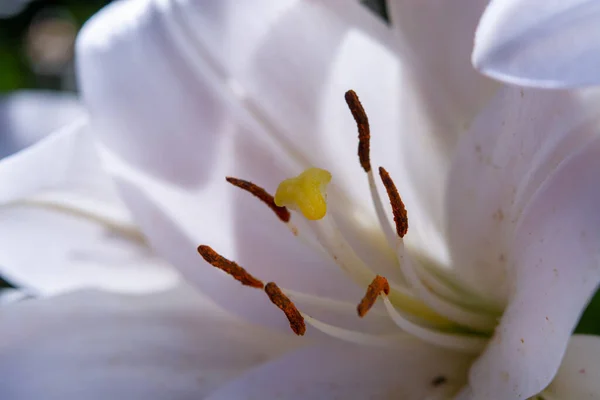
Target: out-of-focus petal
pixel 178 78
pixel 554 272
pixel 540 43
pixel 9 295
pixel 415 372
pixel 28 116
pixel 67 160
pixel 12 7
pixel 579 374
pixel 63 225
pixel 514 145
pixel 51 251
pixel 95 345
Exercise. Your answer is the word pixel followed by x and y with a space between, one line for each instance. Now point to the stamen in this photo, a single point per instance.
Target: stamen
pixel 306 193
pixel 400 214
pixel 364 132
pixel 289 309
pixel 281 212
pixel 230 267
pixel 379 284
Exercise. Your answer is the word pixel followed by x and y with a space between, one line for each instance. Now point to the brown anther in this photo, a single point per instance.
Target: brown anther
pixel 379 284
pixel 364 132
pixel 289 309
pixel 230 267
pixel 400 214
pixel 281 212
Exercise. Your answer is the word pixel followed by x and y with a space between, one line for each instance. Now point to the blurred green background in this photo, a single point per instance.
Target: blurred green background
pixel 36 42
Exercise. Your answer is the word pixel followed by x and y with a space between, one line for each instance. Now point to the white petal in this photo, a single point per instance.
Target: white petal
pixel 279 69
pixel 540 43
pixel 28 116
pixel 579 374
pixel 52 251
pixel 555 272
pixel 437 37
pixel 9 295
pixel 440 95
pixel 66 160
pixel 512 148
pixel 94 345
pixel 63 225
pixel 284 79
pixel 415 372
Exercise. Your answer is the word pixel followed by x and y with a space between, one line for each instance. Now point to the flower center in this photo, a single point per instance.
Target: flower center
pixel 428 303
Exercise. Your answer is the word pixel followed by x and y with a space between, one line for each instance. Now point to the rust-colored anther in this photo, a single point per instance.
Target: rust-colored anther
pixel 230 267
pixel 364 132
pixel 289 309
pixel 281 212
pixel 398 208
pixel 379 284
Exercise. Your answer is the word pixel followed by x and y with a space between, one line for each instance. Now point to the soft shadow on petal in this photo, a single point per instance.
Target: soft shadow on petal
pixel 28 116
pixel 539 43
pixel 440 94
pixel 438 36
pixel 145 99
pixel 514 145
pixel 63 225
pixel 95 345
pixel 415 372
pixel 164 81
pixel 579 374
pixel 556 257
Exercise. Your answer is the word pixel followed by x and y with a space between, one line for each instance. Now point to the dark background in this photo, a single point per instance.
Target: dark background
pixel 36 42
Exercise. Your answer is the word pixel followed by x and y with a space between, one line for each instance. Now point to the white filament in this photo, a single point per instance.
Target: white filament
pixel 342 253
pixel 357 337
pixel 390 235
pixel 342 307
pixel 454 312
pixel 465 343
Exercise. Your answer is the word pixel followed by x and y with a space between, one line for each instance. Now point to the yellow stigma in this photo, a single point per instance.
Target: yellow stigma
pixel 305 193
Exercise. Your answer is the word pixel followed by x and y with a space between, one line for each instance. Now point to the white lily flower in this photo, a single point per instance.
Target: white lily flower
pixel 552 44
pixel 499 184
pixel 48 245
